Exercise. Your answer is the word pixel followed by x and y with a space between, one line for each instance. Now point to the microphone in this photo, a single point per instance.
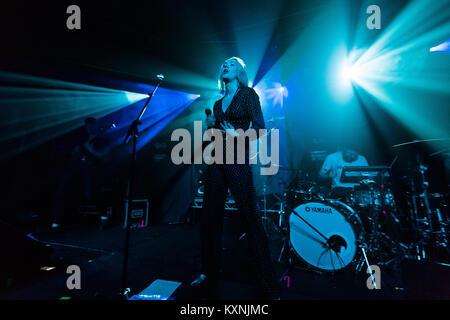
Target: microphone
pixel 160 78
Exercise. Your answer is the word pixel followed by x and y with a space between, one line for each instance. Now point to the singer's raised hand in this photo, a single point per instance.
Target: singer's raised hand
pixel 229 129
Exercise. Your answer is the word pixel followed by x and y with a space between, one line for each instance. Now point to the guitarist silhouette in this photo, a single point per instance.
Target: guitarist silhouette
pixel 85 161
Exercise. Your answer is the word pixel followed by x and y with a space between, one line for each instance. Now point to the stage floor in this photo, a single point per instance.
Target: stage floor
pixel 172 252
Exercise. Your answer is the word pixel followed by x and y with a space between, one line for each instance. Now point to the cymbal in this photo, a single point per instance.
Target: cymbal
pixel 419 141
pixel 446 150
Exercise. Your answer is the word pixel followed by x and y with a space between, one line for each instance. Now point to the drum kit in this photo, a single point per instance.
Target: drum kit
pixel 326 233
pixel 329 233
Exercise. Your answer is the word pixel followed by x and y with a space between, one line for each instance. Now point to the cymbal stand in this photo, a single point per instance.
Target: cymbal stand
pixel 416 222
pixel 424 225
pixel 265 201
pixel 282 228
pixel 376 237
pixel 281 214
pixel 424 195
pixel 369 267
pixel 437 228
pixel 443 241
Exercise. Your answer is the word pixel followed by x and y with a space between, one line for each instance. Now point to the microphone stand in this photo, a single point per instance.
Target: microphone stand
pixel 133 132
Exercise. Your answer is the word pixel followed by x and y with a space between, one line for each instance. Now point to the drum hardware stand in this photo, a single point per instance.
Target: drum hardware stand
pixel 360 263
pixel 265 200
pixel 424 195
pixel 290 264
pixel 281 212
pixel 281 227
pixel 443 241
pixel 376 236
pixel 373 245
pixel 133 132
pixel 368 267
pixel 424 225
pixel 419 233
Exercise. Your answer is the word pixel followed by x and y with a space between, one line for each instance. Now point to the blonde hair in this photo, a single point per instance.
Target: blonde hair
pixel 241 77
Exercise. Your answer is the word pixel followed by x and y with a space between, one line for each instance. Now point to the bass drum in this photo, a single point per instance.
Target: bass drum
pixel 337 222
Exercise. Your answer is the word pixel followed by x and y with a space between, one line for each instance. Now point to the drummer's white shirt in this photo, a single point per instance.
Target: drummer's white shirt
pixel 335 162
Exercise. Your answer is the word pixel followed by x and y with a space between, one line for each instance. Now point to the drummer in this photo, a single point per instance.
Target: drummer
pixel 333 165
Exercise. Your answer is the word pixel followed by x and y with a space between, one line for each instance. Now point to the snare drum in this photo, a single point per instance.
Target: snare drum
pixel 336 221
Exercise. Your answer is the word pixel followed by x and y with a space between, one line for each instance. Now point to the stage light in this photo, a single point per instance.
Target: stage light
pixel 341 74
pixel 278 93
pixel 50 108
pixel 135 97
pixel 193 96
pixel 349 72
pixel 402 71
pixel 443 47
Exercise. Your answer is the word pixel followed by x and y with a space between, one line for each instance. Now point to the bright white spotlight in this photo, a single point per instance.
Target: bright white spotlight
pixel 134 97
pixel 193 96
pixel 349 72
pixel 443 47
pixel 278 93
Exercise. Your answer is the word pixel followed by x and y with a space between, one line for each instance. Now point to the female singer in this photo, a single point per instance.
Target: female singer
pixel 238 109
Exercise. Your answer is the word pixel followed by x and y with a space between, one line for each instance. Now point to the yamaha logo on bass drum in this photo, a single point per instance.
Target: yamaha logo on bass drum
pixel 318 209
